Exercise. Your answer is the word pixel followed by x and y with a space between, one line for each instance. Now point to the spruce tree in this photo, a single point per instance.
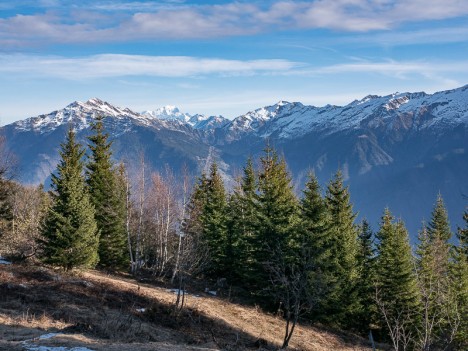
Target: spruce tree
pixel 315 233
pixel 277 215
pixel 460 285
pixel 107 199
pixel 214 222
pixel 242 226
pixel 342 304
pixel 397 293
pixel 366 290
pixel 437 297
pixel 70 231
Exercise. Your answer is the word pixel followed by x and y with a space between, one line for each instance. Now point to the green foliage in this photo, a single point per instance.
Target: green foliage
pixel 108 199
pixel 214 222
pixel 314 234
pixel 277 215
pixel 341 306
pixel 192 223
pixel 70 231
pixel 366 276
pixel 460 284
pixel 397 292
pixel 242 227
pixel 437 297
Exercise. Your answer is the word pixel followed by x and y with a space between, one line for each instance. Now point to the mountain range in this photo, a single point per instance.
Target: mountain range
pixel 398 151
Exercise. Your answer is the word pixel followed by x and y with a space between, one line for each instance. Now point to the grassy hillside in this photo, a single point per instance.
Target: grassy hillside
pixel 91 310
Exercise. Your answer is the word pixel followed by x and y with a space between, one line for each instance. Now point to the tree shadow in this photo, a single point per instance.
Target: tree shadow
pixel 102 310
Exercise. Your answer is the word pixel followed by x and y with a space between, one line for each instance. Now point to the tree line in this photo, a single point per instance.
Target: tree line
pixel 305 257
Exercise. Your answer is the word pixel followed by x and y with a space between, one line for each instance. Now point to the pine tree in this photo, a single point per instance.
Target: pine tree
pixel 277 214
pixel 342 304
pixel 242 226
pixel 107 199
pixel 214 221
pixel 192 224
pixel 366 290
pixel 459 273
pixel 397 293
pixel 315 233
pixel 462 236
pixel 70 231
pixel 435 279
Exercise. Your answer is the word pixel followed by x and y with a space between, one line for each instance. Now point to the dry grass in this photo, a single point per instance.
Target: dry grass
pixel 100 312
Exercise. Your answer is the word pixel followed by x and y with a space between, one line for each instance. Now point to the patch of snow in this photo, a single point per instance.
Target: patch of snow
pixel 141 310
pixel 55 348
pixel 177 291
pixel 48 336
pixel 3 261
pixel 29 347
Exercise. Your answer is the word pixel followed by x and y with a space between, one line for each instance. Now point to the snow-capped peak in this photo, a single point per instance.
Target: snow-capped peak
pixel 169 112
pixel 79 113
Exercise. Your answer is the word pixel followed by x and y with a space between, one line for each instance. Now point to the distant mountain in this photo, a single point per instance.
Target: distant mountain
pixel 398 150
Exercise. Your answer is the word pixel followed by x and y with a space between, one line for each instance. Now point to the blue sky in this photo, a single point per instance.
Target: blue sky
pixel 225 57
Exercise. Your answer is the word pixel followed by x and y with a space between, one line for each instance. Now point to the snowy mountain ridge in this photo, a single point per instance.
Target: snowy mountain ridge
pixel 284 120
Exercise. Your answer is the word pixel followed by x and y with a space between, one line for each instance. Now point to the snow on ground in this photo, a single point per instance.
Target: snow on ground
pixel 3 261
pixel 30 347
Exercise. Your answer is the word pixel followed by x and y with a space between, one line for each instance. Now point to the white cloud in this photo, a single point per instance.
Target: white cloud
pixel 398 68
pixel 122 21
pixel 112 65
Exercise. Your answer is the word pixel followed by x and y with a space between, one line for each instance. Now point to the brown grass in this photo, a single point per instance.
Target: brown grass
pixel 98 311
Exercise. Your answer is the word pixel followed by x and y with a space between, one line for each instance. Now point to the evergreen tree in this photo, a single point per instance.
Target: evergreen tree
pixel 277 214
pixel 107 199
pixel 437 297
pixel 314 229
pixel 70 231
pixel 192 243
pixel 460 285
pixel 342 304
pixel 366 290
pixel 242 224
pixel 192 224
pixel 462 236
pixel 214 221
pixel 397 293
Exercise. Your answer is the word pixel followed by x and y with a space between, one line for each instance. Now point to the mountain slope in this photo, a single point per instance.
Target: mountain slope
pixel 41 307
pixel 397 150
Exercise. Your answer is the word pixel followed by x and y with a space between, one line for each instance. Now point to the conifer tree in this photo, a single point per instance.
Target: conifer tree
pixel 460 285
pixel 342 304
pixel 314 229
pixel 192 231
pixel 214 221
pixel 107 199
pixel 277 215
pixel 462 236
pixel 437 297
pixel 366 290
pixel 192 224
pixel 70 231
pixel 397 293
pixel 242 224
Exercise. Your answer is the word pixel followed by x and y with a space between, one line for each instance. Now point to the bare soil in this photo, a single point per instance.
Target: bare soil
pixel 107 312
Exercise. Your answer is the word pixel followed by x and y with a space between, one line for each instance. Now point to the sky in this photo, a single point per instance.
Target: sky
pixel 225 57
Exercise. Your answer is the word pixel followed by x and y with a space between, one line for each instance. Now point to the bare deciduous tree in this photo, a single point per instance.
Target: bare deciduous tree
pixel 399 323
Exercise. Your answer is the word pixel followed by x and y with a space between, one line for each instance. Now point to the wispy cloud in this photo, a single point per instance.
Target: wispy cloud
pixel 126 20
pixel 421 36
pixel 116 65
pixel 398 68
pixel 112 65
